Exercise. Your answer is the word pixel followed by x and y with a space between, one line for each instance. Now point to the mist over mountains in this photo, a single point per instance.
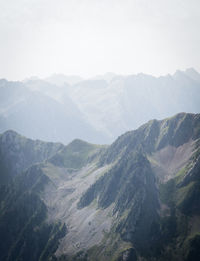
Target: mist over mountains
pixel 61 108
pixel 100 130
pixel 67 196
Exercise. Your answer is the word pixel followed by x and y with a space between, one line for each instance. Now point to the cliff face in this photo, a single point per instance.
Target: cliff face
pixel 137 199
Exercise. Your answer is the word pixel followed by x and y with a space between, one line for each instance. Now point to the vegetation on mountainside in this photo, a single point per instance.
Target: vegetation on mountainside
pixel 24 232
pixel 76 154
pixel 150 221
pixel 181 195
pixel 18 153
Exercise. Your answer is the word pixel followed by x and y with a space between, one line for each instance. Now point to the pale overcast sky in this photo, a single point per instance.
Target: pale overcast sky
pixel 89 37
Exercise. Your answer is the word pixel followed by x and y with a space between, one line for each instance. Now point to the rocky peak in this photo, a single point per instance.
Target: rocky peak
pixel 156 135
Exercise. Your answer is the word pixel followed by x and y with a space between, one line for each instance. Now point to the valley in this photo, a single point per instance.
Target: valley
pixel 136 199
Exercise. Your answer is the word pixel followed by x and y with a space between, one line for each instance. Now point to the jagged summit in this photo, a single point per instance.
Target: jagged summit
pixel 156 134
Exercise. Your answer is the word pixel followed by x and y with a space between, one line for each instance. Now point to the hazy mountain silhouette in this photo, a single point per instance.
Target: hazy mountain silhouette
pixel 98 109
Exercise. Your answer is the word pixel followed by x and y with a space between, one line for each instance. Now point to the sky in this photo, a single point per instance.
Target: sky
pixel 92 37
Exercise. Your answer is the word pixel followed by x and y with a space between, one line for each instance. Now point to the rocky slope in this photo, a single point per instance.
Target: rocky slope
pixel 137 199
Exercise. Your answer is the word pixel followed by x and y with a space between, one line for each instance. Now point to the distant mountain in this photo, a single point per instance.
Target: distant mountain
pixel 61 79
pixel 98 109
pixel 137 199
pixel 193 74
pixel 108 77
pixel 126 102
pixel 38 110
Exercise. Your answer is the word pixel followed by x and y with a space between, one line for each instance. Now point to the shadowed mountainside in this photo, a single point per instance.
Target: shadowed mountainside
pixel 137 199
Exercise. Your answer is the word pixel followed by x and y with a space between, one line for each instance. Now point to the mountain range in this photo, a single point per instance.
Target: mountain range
pixel 134 200
pixel 61 108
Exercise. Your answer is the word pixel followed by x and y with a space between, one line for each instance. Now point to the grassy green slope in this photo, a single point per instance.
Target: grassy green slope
pixel 24 232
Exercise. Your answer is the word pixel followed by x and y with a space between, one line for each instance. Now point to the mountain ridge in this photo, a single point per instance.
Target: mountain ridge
pixel 98 109
pixel 136 199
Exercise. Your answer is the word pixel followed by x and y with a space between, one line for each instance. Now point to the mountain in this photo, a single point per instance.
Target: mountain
pixel 38 110
pixel 137 199
pixel 18 153
pixel 108 77
pixel 98 109
pixel 61 79
pixel 126 102
pixel 193 74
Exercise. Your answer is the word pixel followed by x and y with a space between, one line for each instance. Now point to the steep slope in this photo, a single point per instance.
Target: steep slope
pixel 17 153
pixel 181 212
pixel 136 199
pixel 29 220
pixel 130 186
pixel 156 135
pixel 24 232
pixel 139 223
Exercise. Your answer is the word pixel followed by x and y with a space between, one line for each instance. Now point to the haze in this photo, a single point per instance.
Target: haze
pixel 40 37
